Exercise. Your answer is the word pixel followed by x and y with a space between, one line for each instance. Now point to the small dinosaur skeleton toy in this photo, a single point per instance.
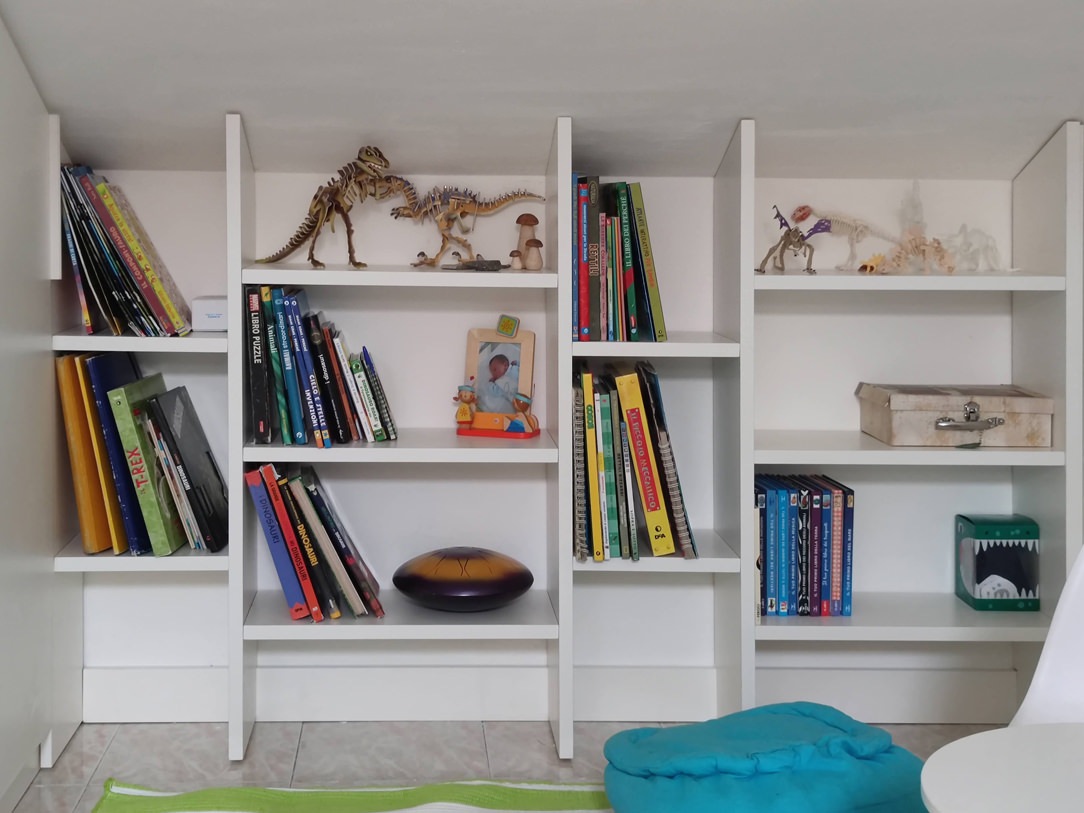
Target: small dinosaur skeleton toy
pixel 916 249
pixel 358 180
pixel 448 206
pixel 833 223
pixel 794 241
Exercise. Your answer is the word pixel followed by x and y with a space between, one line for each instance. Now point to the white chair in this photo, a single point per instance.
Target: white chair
pixel 1056 693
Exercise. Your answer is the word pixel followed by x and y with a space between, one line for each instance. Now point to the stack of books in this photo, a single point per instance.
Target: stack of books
pixel 318 565
pixel 303 382
pixel 145 478
pixel 805 533
pixel 627 494
pixel 122 282
pixel 615 293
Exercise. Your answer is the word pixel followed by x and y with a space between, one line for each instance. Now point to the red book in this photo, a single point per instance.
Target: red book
pixel 340 384
pixel 270 480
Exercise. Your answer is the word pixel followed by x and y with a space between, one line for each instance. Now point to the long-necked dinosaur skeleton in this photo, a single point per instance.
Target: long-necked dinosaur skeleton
pixel 360 179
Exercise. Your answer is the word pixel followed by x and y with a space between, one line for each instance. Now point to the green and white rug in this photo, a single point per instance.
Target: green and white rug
pixel 447 797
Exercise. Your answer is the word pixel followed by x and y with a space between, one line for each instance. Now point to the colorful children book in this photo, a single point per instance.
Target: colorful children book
pixel 280 555
pixel 291 384
pixel 297 555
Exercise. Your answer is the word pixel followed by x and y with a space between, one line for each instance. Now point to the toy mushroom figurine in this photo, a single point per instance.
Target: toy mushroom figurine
pixel 532 258
pixel 517 259
pixel 526 223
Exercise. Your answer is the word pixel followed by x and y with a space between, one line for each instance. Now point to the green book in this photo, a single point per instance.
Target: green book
pixel 152 491
pixel 605 423
pixel 273 350
pixel 654 299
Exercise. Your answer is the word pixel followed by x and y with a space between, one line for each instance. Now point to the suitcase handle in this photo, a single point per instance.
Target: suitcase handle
pixel 971 421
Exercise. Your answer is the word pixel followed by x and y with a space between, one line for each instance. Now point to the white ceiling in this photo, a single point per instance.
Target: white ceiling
pixel 926 88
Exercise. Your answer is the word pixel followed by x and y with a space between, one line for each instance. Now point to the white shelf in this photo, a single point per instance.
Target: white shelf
pixel 196 342
pixel 405 276
pixel 855 448
pixel 832 280
pixel 530 617
pixel 679 344
pixel 908 617
pixel 716 556
pixel 414 446
pixel 184 560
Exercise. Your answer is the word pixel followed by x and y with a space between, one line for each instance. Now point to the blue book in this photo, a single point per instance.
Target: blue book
pixel 108 371
pixel 306 373
pixel 825 575
pixel 299 303
pixel 289 371
pixel 791 542
pixel 291 587
pixel 771 545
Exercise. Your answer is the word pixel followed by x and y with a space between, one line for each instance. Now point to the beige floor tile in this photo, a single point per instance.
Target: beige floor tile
pixel 50 799
pixel 525 750
pixel 189 756
pixel 80 757
pixel 354 754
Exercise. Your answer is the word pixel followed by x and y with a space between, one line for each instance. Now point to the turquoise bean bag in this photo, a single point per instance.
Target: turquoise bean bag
pixel 783 758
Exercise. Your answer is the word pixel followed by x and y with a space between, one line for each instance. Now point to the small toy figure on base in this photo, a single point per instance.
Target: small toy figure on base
pixel 532 258
pixel 464 413
pixel 793 241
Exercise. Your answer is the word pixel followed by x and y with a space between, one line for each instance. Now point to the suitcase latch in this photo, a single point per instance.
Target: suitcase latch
pixel 971 422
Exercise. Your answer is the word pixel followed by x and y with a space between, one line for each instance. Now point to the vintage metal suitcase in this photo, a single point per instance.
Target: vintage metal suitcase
pixel 915 415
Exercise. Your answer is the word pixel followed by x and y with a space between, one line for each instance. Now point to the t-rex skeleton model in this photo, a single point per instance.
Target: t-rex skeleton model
pixel 833 223
pixel 357 181
pixel 793 241
pixel 449 206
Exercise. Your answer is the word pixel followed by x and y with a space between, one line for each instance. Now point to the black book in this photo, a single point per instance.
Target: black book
pixel 338 420
pixel 318 571
pixel 196 467
pixel 257 368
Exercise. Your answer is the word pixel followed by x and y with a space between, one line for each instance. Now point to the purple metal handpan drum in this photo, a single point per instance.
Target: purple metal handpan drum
pixel 462 579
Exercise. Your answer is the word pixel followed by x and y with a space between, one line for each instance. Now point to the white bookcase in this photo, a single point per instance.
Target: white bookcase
pixel 209 638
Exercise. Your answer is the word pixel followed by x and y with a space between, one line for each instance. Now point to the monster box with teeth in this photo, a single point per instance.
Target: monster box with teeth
pixel 997 561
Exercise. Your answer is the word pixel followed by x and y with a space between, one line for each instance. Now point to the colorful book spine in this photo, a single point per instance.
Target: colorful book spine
pixel 173 296
pixel 770 563
pixel 802 546
pixel 290 380
pixel 328 553
pixel 654 298
pixel 176 323
pixel 596 290
pixel 337 368
pixel 368 399
pixel 257 369
pixel 156 504
pixel 321 583
pixel 106 372
pixel 173 481
pixel 76 267
pixel 847 547
pixel 291 587
pixel 815 546
pixel 760 502
pixel 582 266
pixel 630 489
pixel 131 266
pixel 621 495
pixel 575 258
pixel 649 483
pixel 580 542
pixel 274 352
pixel 604 428
pixel 334 414
pixel 628 279
pixel 89 497
pixel 360 412
pixel 382 402
pixel 293 547
pixel 359 572
pixel 306 373
pixel 594 504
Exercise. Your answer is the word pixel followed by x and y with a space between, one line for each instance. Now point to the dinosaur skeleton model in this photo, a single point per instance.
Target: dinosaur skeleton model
pixel 832 223
pixel 449 206
pixel 792 240
pixel 917 249
pixel 358 180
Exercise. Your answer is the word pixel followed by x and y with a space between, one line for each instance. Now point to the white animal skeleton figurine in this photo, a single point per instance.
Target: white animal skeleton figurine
pixel 834 223
pixel 975 250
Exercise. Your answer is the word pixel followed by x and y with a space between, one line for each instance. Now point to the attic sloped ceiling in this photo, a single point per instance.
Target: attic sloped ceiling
pixel 925 88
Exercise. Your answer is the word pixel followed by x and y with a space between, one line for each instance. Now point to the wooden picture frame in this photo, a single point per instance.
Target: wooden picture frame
pixel 498 384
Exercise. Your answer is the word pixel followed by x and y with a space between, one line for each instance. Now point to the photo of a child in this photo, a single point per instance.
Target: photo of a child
pixel 497 379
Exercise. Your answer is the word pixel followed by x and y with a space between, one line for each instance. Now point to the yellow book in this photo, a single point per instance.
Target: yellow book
pixel 121 217
pixel 89 500
pixel 102 469
pixel 649 482
pixel 594 507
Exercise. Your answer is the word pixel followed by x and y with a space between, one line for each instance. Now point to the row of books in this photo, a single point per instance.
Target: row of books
pixel 145 478
pixel 120 278
pixel 303 380
pixel 318 565
pixel 805 526
pixel 627 494
pixel 615 293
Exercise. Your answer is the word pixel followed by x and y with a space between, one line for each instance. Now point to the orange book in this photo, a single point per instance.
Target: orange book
pixel 103 472
pixel 89 500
